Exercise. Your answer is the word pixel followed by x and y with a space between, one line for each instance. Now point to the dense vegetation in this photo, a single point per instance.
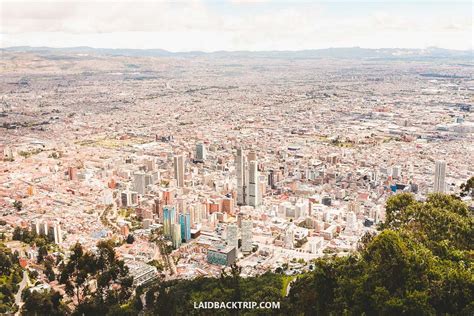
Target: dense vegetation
pixel 112 285
pixel 31 237
pixel 10 276
pixel 96 282
pixel 178 297
pixel 43 303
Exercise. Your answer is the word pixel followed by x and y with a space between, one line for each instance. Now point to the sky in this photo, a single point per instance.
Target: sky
pixel 254 25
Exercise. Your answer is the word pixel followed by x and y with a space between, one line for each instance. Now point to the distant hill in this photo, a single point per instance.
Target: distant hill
pixel 341 53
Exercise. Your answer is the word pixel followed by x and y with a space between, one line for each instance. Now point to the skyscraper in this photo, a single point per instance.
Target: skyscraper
pixel 254 196
pixel 200 152
pixel 176 235
pixel 241 179
pixel 57 233
pixel 440 176
pixel 185 222
pixel 169 218
pixel 139 182
pixel 179 170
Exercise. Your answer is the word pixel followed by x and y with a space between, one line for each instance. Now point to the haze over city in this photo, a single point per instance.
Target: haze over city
pixel 237 24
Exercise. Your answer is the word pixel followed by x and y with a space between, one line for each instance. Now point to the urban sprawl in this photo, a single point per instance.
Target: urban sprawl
pixel 197 163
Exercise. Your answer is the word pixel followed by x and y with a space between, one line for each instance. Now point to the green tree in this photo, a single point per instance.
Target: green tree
pixel 397 209
pixel 49 272
pixel 130 239
pixel 47 303
pixel 10 276
pixel 421 266
pixel 114 285
pixel 18 205
pixel 467 189
pixel 42 253
pixel 77 273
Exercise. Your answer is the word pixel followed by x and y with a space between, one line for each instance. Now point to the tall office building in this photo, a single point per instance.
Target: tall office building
pixel 241 179
pixel 169 218
pixel 247 235
pixel 440 177
pixel 232 238
pixel 179 170
pixel 200 152
pixel 185 223
pixel 396 172
pixel 254 196
pixel 176 235
pixel 139 182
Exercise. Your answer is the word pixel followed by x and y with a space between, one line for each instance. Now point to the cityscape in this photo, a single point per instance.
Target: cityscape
pixel 129 176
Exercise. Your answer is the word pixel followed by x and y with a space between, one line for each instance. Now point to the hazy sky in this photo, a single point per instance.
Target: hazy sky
pixel 211 25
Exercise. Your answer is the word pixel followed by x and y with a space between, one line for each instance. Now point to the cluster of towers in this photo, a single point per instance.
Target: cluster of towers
pixel 176 227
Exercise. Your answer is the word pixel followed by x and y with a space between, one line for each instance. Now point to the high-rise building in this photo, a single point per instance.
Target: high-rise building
pixel 52 230
pixel 271 179
pixel 179 170
pixel 176 235
pixel 247 235
pixel 200 152
pixel 440 177
pixel 139 182
pixel 232 238
pixel 254 196
pixel 128 198
pixel 185 223
pixel 396 172
pixel 169 218
pixel 57 233
pixel 36 226
pixel 241 178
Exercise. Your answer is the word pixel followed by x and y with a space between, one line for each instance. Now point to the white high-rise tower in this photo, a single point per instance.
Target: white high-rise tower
pixel 440 177
pixel 241 179
pixel 179 170
pixel 254 196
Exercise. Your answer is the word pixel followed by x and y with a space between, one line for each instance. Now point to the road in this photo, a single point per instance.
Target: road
pixel 24 282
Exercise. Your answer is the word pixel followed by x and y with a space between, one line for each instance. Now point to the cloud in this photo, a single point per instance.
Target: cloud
pixel 230 25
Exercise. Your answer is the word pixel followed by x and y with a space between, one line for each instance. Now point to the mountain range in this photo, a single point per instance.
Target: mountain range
pixel 342 53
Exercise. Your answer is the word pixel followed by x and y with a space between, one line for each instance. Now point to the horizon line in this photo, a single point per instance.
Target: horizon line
pixel 234 51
